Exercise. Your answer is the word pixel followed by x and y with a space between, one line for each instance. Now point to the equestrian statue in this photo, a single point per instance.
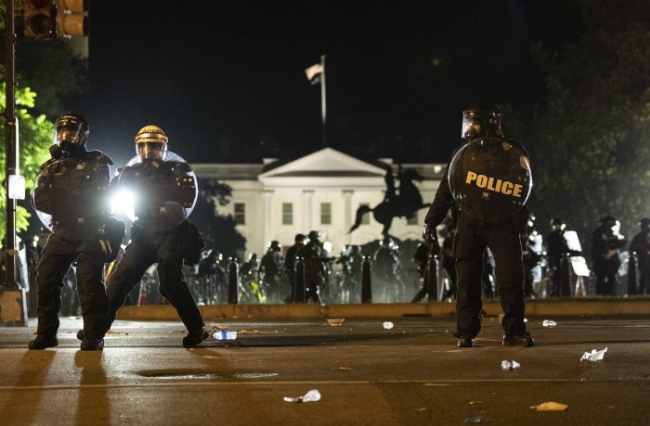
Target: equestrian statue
pixel 404 201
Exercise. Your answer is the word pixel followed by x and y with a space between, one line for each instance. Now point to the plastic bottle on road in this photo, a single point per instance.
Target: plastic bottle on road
pixel 509 365
pixel 478 419
pixel 225 335
pixel 549 323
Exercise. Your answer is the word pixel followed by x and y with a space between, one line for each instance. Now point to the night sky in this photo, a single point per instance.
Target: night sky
pixel 226 80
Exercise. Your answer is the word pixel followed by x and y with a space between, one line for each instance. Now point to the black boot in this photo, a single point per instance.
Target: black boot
pixel 465 340
pixel 42 342
pixel 195 337
pixel 523 340
pixel 91 343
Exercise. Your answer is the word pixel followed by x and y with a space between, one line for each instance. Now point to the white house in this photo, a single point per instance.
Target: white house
pixel 321 191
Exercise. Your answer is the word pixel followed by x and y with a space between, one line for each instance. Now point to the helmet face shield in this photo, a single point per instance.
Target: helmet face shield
pixel 68 135
pixel 480 123
pixel 152 150
pixel 471 125
pixel 151 143
pixel 71 129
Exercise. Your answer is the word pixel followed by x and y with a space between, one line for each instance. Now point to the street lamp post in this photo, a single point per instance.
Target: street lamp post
pixel 13 306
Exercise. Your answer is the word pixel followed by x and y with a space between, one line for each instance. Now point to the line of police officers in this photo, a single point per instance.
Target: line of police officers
pixel 72 199
pixel 486 187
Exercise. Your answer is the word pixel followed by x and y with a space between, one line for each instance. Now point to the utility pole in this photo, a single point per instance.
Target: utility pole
pixel 13 301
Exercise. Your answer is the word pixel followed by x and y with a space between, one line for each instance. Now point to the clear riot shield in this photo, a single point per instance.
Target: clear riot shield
pixel 578 263
pixel 71 189
pixel 490 178
pixel 156 195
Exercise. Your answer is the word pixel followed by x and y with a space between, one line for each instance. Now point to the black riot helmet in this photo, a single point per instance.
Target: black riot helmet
pixel 644 223
pixel 608 221
pixel 71 130
pixel 314 236
pixel 481 121
pixel 558 224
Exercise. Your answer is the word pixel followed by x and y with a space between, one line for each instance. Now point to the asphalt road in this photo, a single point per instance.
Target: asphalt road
pixel 412 374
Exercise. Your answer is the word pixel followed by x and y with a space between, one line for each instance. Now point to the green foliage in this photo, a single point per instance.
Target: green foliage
pixel 590 142
pixel 35 135
pixel 53 72
pixel 51 69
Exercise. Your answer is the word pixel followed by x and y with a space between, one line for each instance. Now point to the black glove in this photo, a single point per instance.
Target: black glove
pixel 430 235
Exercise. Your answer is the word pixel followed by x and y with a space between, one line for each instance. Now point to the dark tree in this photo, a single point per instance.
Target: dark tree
pixel 219 231
pixel 54 72
pixel 588 141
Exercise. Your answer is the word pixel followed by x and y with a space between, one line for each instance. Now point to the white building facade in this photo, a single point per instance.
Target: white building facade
pixel 321 191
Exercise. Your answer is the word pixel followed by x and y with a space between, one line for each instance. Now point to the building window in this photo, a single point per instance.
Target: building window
pixel 240 213
pixel 325 213
pixel 365 219
pixel 413 220
pixel 287 214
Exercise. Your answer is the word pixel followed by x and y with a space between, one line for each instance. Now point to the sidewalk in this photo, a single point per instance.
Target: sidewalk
pixel 558 307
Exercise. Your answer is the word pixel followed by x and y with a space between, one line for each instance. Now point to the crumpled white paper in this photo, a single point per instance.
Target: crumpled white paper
pixel 594 355
pixel 549 406
pixel 311 396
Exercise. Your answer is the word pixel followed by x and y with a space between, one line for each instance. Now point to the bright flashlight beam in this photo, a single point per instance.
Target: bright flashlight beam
pixel 123 202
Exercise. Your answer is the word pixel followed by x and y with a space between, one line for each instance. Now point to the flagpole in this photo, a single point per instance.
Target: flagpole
pixel 323 101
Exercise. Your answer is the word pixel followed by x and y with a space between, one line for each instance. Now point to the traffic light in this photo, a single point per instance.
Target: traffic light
pixel 71 18
pixel 39 18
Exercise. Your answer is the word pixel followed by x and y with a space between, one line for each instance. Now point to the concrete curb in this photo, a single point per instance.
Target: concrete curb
pixel 557 308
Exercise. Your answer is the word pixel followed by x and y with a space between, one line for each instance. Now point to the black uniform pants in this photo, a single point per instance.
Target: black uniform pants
pixel 605 280
pixel 57 257
pixel 138 257
pixel 313 284
pixel 471 239
pixel 291 275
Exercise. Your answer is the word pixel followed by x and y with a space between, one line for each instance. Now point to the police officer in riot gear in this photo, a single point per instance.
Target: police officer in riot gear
pixel 315 257
pixel 421 259
pixel 605 243
pixel 388 272
pixel 556 248
pixel 271 271
pixel 351 261
pixel 290 265
pixel 531 257
pixel 164 192
pixel 71 198
pixel 486 188
pixel 641 246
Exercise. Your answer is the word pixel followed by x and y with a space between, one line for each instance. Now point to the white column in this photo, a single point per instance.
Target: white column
pixel 347 211
pixel 268 217
pixel 306 210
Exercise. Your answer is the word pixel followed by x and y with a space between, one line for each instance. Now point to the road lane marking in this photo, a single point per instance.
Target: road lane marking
pixel 306 382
